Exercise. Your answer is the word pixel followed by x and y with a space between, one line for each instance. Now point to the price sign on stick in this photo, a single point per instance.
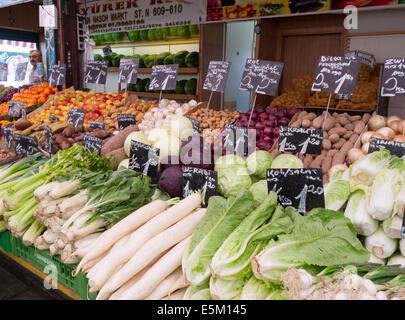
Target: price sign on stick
pixel 53 118
pixel 125 120
pixel 57 75
pixel 21 71
pixel 164 77
pixel 76 117
pixel 196 124
pixel 3 71
pixel 261 76
pixel 97 125
pixel 393 80
pixel 300 140
pixel 236 139
pixel 128 71
pixel 92 143
pixel 25 144
pixel 216 76
pixel 364 57
pixel 335 74
pixel 394 147
pixel 144 159
pixel 14 109
pixel 48 139
pixel 8 136
pixel 96 72
pixel 196 179
pixel 299 188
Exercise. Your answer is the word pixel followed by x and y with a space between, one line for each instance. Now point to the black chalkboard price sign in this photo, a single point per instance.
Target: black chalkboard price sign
pixel 96 72
pixel 261 76
pixel 8 136
pixel 14 109
pixel 216 76
pixel 21 72
pixel 48 139
pixel 236 139
pixel 92 143
pixel 97 125
pixel 76 117
pixel 23 110
pixel 144 159
pixel 196 179
pixel 394 147
pixel 363 57
pixel 125 120
pixel 25 144
pixel 393 81
pixel 300 140
pixel 336 74
pixel 164 77
pixel 299 188
pixel 128 72
pixel 57 75
pixel 3 71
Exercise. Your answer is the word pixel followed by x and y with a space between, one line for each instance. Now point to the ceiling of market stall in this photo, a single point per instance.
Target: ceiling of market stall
pixel 8 3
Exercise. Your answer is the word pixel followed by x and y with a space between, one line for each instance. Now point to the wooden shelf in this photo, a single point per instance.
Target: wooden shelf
pixel 149 70
pixel 149 43
pixel 164 95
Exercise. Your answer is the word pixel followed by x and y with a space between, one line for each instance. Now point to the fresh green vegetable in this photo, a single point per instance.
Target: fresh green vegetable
pixel 356 211
pixel 221 289
pixel 336 194
pixel 258 163
pixel 322 238
pixel 260 192
pixel 383 193
pixel 287 161
pixel 365 169
pixel 233 179
pixel 201 292
pixel 229 160
pixel 381 245
pixel 197 258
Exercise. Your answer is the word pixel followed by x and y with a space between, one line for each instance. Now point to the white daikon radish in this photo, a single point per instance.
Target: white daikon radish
pixel 150 249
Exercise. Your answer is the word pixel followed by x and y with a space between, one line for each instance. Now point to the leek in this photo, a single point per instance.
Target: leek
pixel 32 233
pixel 393 227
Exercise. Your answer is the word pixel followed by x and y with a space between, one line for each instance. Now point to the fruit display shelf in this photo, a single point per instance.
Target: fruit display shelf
pixel 127 44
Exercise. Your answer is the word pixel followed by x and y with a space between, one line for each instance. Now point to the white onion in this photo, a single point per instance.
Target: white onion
pixel 354 155
pixel 377 135
pixel 364 148
pixel 387 133
pixel 366 136
pixel 395 125
pixel 393 118
pixel 376 122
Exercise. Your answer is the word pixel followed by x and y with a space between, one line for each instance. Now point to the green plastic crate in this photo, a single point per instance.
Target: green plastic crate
pixel 5 241
pixel 43 261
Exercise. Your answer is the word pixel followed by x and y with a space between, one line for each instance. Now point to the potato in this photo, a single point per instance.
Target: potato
pixel 343 120
pixel 317 123
pixel 348 134
pixel 329 123
pixel 347 146
pixel 334 138
pixel 326 144
pixel 349 127
pixel 339 144
pixel 339 158
pixel 317 161
pixel 326 164
pixel 359 127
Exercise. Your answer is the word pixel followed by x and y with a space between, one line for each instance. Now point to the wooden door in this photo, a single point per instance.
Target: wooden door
pixel 300 54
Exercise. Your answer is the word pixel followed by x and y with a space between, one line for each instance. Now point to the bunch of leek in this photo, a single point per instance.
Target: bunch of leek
pixel 80 204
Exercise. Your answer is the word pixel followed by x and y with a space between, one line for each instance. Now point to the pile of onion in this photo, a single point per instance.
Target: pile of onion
pixel 391 128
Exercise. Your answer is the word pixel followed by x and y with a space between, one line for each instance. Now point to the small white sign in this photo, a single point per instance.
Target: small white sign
pixel 48 16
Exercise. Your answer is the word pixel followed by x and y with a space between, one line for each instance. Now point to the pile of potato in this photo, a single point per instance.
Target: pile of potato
pixel 340 134
pixel 213 119
pixel 138 108
pixel 71 135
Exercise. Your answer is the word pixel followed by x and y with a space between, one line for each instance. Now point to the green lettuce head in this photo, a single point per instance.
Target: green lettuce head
pixel 232 179
pixel 259 191
pixel 287 161
pixel 258 162
pixel 229 160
